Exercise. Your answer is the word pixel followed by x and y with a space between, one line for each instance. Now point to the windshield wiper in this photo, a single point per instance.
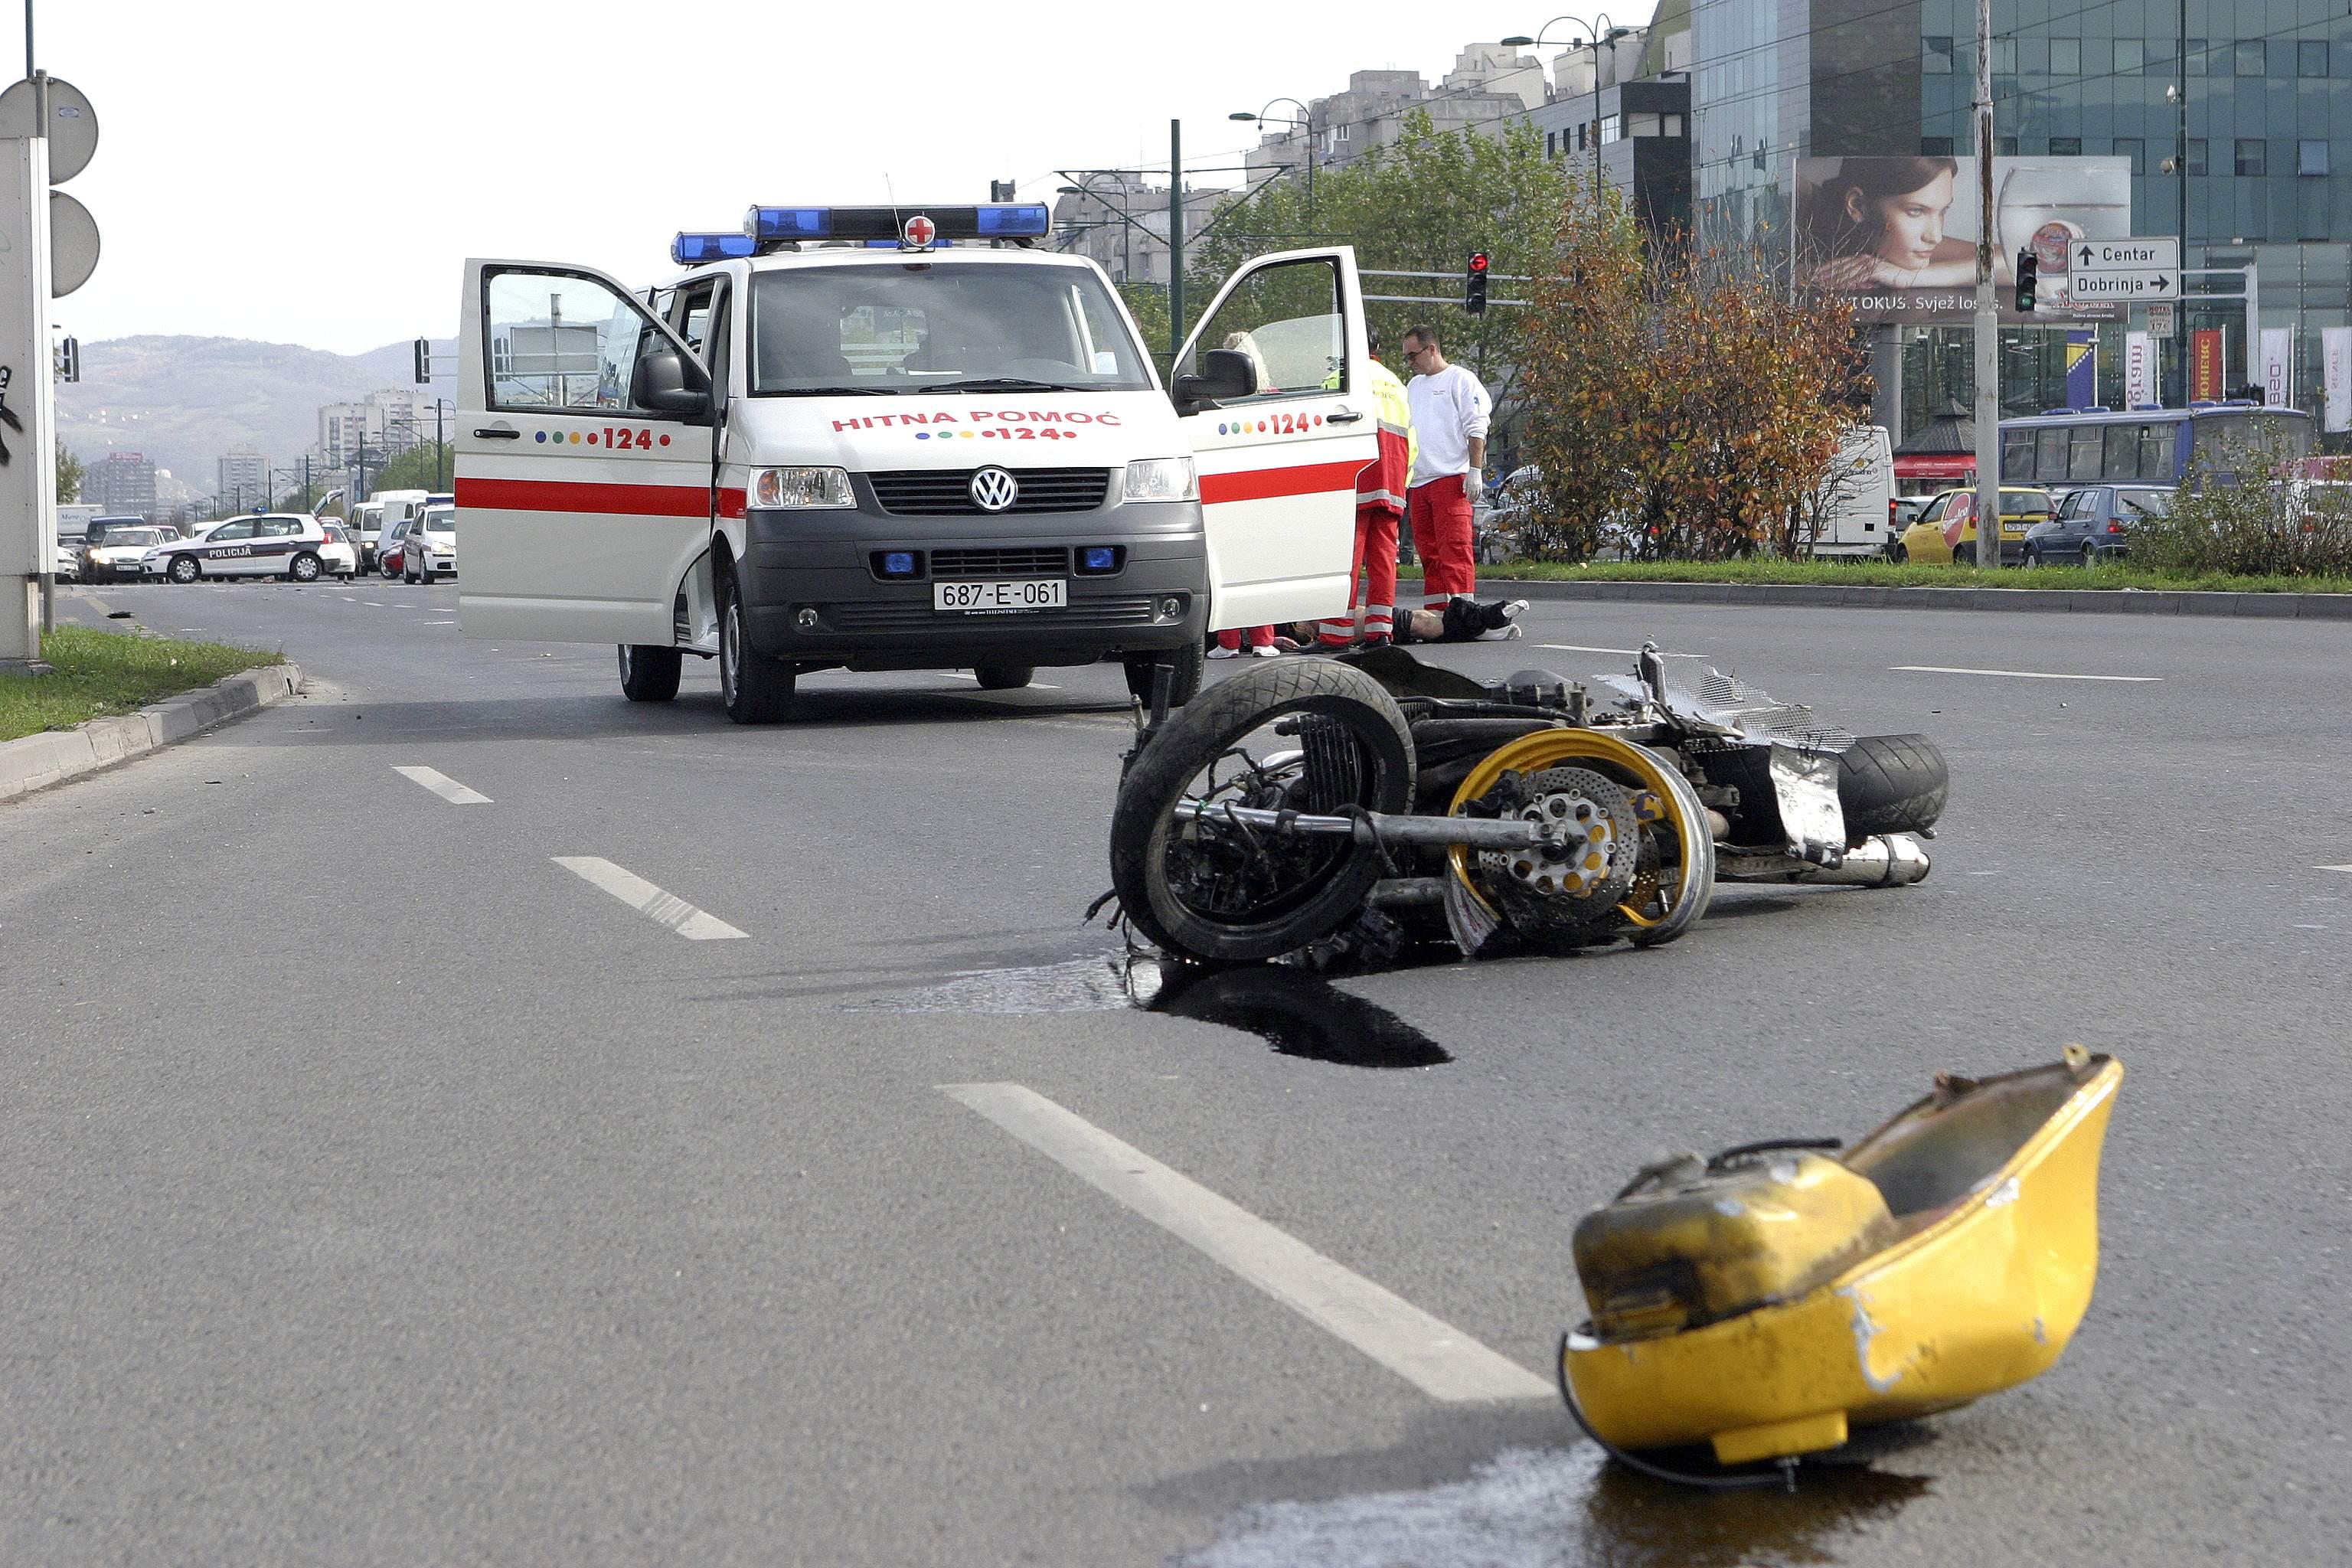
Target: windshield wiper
pixel 830 392
pixel 999 384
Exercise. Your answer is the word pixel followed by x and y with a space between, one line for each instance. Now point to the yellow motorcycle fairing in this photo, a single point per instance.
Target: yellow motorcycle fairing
pixel 1994 1189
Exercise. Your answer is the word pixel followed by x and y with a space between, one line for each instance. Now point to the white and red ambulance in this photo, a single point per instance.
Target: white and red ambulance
pixel 904 439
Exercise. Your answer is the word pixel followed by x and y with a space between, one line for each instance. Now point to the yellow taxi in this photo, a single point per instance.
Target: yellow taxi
pixel 1947 531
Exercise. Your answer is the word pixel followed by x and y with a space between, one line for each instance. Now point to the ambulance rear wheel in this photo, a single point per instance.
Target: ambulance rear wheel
pixel 649 673
pixel 1003 677
pixel 757 690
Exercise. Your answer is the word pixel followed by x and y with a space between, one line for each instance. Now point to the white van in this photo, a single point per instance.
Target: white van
pixel 1853 507
pixel 842 440
pixel 367 527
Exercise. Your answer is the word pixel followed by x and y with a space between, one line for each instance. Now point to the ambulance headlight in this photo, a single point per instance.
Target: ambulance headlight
pixel 1161 479
pixel 801 489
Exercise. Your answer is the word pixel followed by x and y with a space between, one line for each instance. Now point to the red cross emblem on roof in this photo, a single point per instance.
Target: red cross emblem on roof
pixel 919 233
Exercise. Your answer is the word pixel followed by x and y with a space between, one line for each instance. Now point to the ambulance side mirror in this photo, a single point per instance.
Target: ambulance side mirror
pixel 1226 373
pixel 666 383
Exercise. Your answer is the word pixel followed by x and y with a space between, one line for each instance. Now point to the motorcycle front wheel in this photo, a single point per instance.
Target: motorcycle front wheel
pixel 1306 735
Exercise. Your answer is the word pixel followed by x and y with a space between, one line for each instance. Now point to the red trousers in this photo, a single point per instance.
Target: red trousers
pixel 1371 580
pixel 1259 637
pixel 1441 532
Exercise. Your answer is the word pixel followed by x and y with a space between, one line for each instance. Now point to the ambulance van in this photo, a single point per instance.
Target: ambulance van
pixel 881 440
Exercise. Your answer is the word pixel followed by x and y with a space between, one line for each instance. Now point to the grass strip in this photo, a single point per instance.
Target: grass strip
pixel 1885 574
pixel 94 674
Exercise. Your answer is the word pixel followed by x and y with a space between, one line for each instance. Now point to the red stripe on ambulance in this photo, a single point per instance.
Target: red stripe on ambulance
pixel 1267 484
pixel 562 495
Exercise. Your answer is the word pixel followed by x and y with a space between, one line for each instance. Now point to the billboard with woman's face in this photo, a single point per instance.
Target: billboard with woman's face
pixel 1897 237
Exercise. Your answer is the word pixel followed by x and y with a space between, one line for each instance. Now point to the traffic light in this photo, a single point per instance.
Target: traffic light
pixel 68 359
pixel 2028 264
pixel 1473 284
pixel 424 360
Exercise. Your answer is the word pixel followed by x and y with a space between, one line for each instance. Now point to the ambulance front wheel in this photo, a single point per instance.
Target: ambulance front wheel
pixel 756 688
pixel 649 673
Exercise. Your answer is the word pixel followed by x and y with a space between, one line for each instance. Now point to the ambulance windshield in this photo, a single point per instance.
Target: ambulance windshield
pixel 939 327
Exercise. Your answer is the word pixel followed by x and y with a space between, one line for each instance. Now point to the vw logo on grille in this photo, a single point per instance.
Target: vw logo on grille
pixel 993 490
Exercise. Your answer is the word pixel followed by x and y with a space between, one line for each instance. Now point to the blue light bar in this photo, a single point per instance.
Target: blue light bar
pixel 1026 222
pixel 692 249
pixel 789 222
pixel 894 245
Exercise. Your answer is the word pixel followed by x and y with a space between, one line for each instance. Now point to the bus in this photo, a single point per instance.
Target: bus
pixel 2067 447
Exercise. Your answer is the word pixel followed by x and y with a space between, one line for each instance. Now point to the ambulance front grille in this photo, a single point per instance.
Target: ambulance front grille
pixel 947 492
pixel 901 614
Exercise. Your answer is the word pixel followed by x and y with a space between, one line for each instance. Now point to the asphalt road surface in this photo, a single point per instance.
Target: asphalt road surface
pixel 460 1117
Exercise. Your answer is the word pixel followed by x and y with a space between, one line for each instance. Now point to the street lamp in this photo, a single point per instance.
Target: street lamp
pixel 1306 125
pixel 1593 41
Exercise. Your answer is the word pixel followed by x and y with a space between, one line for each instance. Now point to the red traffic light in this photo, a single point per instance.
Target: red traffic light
pixel 1477 261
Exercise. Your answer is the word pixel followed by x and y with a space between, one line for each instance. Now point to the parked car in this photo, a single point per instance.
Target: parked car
pixel 1947 529
pixel 2094 523
pixel 119 551
pixel 430 547
pixel 389 546
pixel 367 522
pixel 1902 512
pixel 96 528
pixel 69 563
pixel 257 544
pixel 339 556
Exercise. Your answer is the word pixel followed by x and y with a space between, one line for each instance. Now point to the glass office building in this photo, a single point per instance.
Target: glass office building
pixel 2233 115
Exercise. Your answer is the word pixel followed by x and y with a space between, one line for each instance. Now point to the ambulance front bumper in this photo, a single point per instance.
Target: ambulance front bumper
pixel 814 588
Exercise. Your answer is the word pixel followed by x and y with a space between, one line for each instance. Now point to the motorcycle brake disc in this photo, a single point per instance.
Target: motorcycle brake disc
pixel 1550 892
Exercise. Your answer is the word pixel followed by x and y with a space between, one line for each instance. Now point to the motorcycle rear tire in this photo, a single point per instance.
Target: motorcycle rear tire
pixel 1142 822
pixel 1892 783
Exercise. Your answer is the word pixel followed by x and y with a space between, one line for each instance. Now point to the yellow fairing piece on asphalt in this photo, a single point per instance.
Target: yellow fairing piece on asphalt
pixel 1994 1190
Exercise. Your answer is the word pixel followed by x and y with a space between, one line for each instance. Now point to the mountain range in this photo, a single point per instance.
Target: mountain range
pixel 182 401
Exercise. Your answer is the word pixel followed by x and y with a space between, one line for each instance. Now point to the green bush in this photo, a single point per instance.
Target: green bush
pixel 2244 511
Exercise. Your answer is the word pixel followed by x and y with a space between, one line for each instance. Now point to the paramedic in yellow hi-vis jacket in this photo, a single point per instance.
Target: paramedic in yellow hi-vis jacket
pixel 1380 506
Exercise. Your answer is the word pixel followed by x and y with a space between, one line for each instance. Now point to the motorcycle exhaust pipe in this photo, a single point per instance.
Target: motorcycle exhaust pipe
pixel 1881 860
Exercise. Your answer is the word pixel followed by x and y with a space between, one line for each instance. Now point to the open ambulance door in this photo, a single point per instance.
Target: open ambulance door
pixel 1279 466
pixel 583 458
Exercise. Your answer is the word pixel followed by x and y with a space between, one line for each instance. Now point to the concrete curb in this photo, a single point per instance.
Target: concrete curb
pixel 36 761
pixel 2043 601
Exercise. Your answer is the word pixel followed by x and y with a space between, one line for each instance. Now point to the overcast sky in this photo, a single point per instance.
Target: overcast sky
pixel 314 174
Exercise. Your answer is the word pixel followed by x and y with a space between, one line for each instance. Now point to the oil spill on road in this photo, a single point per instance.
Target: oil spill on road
pixel 1295 1013
pixel 1567 1508
pixel 1292 1010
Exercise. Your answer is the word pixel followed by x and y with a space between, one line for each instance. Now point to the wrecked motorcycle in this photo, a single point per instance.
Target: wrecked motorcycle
pixel 1767 1301
pixel 1352 803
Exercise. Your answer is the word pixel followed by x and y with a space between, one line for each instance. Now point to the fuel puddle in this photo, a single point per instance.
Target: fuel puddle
pixel 1549 1507
pixel 1297 1012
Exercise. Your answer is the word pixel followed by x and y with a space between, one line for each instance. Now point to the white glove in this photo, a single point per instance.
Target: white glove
pixel 1474 483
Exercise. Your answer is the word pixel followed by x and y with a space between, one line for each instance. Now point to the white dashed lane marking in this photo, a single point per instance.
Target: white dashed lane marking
pixel 960 674
pixel 2014 674
pixel 444 786
pixel 664 909
pixel 1628 652
pixel 2332 867
pixel 1433 1355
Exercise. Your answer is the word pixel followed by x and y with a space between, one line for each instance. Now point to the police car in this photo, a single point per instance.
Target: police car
pixel 259 544
pixel 901 439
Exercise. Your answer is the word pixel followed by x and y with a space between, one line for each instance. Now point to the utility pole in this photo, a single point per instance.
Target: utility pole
pixel 440 450
pixel 1175 242
pixel 1988 418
